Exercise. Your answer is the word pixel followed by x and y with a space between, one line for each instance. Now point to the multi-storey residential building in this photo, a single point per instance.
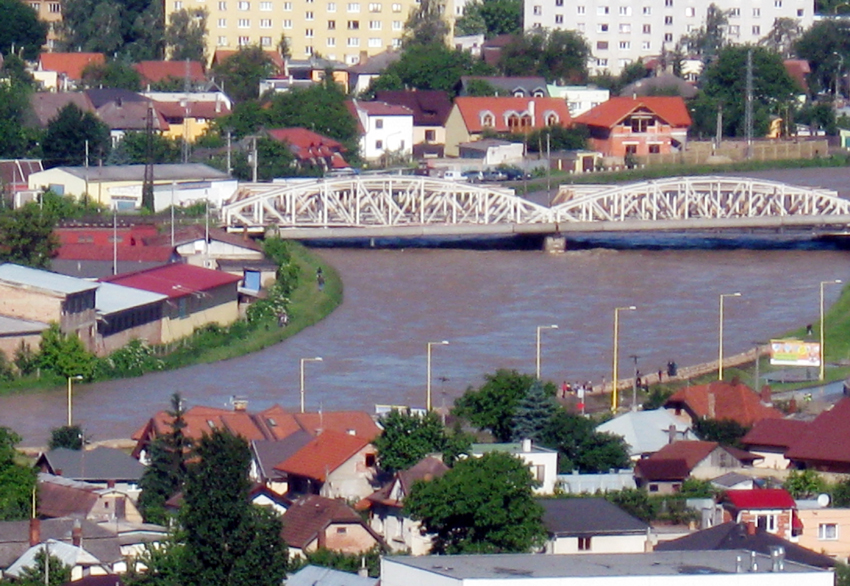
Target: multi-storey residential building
pixel 50 11
pixel 339 30
pixel 620 32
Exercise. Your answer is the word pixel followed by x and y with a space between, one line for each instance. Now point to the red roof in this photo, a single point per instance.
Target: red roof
pixel 308 145
pixel 670 109
pixel 779 433
pixel 798 69
pixel 69 64
pixel 175 280
pixel 161 254
pixel 156 71
pixel 358 423
pixel 761 498
pixel 310 516
pixel 132 235
pixel 324 454
pixel 675 469
pixel 474 109
pixel 193 109
pixel 692 452
pixel 826 438
pixel 731 401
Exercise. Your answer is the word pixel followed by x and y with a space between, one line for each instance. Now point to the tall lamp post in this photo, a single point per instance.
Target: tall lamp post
pixel 303 360
pixel 428 382
pixel 822 353
pixel 71 380
pixel 614 379
pixel 720 345
pixel 539 329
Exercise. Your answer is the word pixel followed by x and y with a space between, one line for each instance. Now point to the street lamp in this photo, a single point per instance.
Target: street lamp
pixel 720 348
pixel 822 353
pixel 303 360
pixel 539 329
pixel 614 380
pixel 71 380
pixel 428 388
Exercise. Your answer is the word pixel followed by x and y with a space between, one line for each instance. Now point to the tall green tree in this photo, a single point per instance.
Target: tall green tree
pixel 64 354
pixel 482 505
pixel 533 413
pixel 132 150
pixel 26 236
pixel 16 138
pixel 490 18
pixel 782 36
pixel 186 35
pixel 228 541
pixel 426 24
pixel 707 41
pixel 581 447
pixel 21 29
pixel 66 136
pixel 69 437
pixel 241 73
pixel 557 55
pixel 407 438
pixel 114 74
pixel 826 46
pixel 131 29
pixel 17 481
pixel 727 432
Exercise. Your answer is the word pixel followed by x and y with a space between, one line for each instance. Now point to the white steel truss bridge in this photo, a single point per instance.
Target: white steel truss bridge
pixel 407 206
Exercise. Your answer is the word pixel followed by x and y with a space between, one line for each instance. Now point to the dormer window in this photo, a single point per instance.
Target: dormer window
pixel 488 120
pixel 551 119
pixel 518 123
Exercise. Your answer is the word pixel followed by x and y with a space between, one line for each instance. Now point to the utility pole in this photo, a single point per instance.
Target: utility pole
pixel 254 162
pixel 718 133
pixel 748 111
pixel 147 186
pixel 229 149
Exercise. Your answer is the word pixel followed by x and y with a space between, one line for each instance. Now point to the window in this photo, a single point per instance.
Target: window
pixel 519 123
pixel 756 12
pixel 668 37
pixel 354 7
pixel 331 25
pixel 222 23
pixel 625 27
pixel 244 6
pixel 625 45
pixel 690 11
pixel 766 523
pixel 537 10
pixel 222 6
pixel 342 530
pixel 647 29
pixel 601 10
pixel 559 2
pixel 647 10
pixel 645 45
pixel 353 42
pixel 287 6
pixel 625 10
pixel 654 149
pixel 734 12
pixel 331 42
pixel 488 120
pixel 777 3
pixel 602 28
pixel 308 50
pixel 584 543
pixel 559 19
pixel 828 531
pixel 580 27
pixel 430 135
pixel 799 12
pixel 370 460
pixel 178 5
pixel 308 33
pixel 374 25
pixel 396 42
pixel 734 29
pixel 308 15
pixel 379 123
pixel 265 23
pixel 396 7
pixel 668 20
pixel 353 25
pixel 756 30
pixel 601 45
pixel 265 6
pixel 222 41
pixel 375 7
pixel 265 41
pixel 602 62
pixel 668 3
pixel 35 6
pixel 287 24
pixel 331 6
pixel 396 25
pixel 244 23
pixel 244 41
pixel 379 144
pixel 639 123
pixel 375 42
pixel 579 9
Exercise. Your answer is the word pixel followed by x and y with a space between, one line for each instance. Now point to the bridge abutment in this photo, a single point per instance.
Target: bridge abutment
pixel 555 244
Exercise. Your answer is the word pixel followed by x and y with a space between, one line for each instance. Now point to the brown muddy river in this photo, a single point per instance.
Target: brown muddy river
pixel 487 304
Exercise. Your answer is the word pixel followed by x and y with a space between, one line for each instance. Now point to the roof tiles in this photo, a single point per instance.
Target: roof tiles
pixel 324 454
pixel 607 114
pixel 735 401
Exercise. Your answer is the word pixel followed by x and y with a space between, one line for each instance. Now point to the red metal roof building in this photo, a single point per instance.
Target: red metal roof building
pixel 311 149
pixel 772 509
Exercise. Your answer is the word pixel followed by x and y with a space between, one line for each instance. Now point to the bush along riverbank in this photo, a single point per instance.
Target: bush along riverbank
pixel 293 303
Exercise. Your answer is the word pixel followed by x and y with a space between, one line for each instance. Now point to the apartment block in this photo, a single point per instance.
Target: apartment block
pixel 620 32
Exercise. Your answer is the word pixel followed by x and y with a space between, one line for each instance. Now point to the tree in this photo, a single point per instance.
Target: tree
pixel 804 484
pixel 407 438
pixel 635 502
pixel 482 505
pixel 726 432
pixel 21 30
pixel 826 46
pixel 57 572
pixel 114 74
pixel 186 35
pixel 557 55
pixel 26 236
pixel 133 149
pixel 581 447
pixel 274 159
pixel 345 562
pixel 492 405
pixel 480 87
pixel 17 481
pixel 242 72
pixel 490 18
pixel 228 541
pixel 166 472
pixel 64 354
pixel 131 29
pixel 533 413
pixel 16 139
pixel 782 37
pixel 67 133
pixel 426 24
pixel 69 437
pixel 707 41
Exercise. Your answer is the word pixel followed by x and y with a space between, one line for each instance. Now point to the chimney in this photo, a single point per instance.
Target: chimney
pixel 77 534
pixel 712 401
pixel 35 531
pixel 110 484
pixel 754 565
pixel 647 545
pixel 766 396
pixel 363 571
pixel 751 528
pixel 364 56
pixel 792 405
pixel 671 434
pixel 777 558
pixel 531 111
pixel 526 445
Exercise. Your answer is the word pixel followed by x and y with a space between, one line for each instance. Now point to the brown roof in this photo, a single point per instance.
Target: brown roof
pixel 69 64
pixel 735 401
pixel 46 105
pixel 429 107
pixel 778 433
pixel 426 469
pixel 324 454
pixel 672 469
pixel 207 110
pixel 155 71
pixel 357 423
pixel 691 451
pixel 64 500
pixel 121 115
pixel 311 515
pixel 670 109
pixel 827 438
pixel 15 538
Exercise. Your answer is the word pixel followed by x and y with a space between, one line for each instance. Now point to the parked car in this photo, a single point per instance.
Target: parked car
pixel 455 176
pixel 493 175
pixel 474 176
pixel 514 174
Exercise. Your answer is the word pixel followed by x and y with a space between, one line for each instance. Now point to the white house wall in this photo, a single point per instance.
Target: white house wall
pixel 599 544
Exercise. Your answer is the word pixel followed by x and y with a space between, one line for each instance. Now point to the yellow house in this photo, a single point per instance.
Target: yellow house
pixel 189 114
pixel 826 530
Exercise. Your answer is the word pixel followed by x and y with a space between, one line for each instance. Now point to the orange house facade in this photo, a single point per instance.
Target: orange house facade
pixel 637 126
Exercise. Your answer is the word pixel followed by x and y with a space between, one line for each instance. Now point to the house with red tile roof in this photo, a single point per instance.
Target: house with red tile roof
pixel 430 111
pixel 311 149
pixel 333 465
pixel 771 438
pixel 721 400
pixel 824 444
pixel 639 126
pixel 314 522
pixel 196 296
pixel 665 470
pixel 472 117
pixel 770 509
pixel 386 130
pixel 62 71
pixel 189 114
pixel 178 71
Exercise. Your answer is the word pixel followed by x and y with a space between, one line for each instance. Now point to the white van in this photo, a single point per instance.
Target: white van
pixel 454 176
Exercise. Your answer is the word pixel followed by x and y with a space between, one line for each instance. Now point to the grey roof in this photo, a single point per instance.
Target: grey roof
pixel 666 82
pixel 377 63
pixel 172 172
pixel 19 276
pixel 68 554
pixel 269 453
pixel 316 576
pixel 509 448
pixel 588 516
pixel 646 432
pixel 100 464
pixel 528 85
pixel 730 479
pixel 111 298
pixel 658 563
pixel 13 326
pixel 15 535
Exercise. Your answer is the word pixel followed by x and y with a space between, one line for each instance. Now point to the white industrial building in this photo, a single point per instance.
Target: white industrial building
pixel 620 32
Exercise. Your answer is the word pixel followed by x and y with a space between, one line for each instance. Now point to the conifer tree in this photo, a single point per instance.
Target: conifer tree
pixel 533 413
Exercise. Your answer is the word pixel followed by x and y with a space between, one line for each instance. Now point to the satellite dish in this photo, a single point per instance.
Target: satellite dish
pixel 823 500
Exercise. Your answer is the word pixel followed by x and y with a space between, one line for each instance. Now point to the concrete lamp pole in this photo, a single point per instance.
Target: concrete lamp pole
pixel 822 340
pixel 539 329
pixel 720 345
pixel 428 381
pixel 304 360
pixel 71 380
pixel 614 379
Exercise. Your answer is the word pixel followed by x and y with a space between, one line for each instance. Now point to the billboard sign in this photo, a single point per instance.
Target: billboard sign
pixel 794 353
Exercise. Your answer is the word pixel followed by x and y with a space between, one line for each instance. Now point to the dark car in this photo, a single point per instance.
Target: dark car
pixel 514 174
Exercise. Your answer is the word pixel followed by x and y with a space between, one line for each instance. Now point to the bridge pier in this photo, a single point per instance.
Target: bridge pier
pixel 555 244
